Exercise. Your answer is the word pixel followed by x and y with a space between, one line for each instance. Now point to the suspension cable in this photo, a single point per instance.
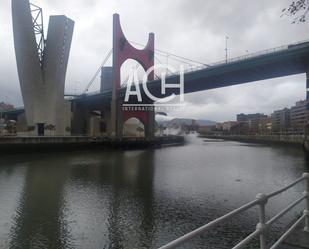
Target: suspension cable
pixel 180 57
pixel 98 71
pixel 158 51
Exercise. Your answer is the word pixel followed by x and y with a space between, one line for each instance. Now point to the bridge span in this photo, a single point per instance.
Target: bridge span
pixel 277 62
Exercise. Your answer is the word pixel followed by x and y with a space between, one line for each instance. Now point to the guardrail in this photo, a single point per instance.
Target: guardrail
pixel 242 57
pixel 262 228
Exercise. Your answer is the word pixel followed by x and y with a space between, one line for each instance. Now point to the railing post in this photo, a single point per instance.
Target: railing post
pixel 262 219
pixel 306 211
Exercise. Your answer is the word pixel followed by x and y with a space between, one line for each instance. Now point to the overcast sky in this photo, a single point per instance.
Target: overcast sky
pixel 194 29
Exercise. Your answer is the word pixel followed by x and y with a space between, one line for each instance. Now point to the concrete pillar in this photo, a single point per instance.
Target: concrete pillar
pixel 113 120
pixel 116 119
pixel 119 120
pixel 306 143
pixel 307 87
pixel 94 126
pixel 150 129
pixel 79 120
pixel 307 94
pixel 106 119
pixel 106 79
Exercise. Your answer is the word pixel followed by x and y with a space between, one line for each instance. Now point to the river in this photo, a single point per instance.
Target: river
pixel 142 199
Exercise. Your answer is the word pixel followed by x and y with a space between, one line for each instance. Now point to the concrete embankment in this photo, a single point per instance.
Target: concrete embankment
pixel 295 140
pixel 46 144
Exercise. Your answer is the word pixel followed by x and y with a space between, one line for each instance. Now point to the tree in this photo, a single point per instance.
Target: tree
pixel 31 128
pixel 297 9
pixel 50 127
pixel 68 129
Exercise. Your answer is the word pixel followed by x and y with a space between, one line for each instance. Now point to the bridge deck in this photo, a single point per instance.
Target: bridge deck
pixel 287 60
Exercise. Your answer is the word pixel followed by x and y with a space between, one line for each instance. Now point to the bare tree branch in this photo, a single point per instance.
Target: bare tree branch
pixel 298 10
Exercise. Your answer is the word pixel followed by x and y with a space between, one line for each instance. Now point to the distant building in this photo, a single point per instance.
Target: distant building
pixel 255 121
pixel 204 129
pixel 194 126
pixel 240 128
pixel 281 120
pixel 265 125
pixel 299 116
pixel 6 107
pixel 242 117
pixel 219 126
pixel 227 126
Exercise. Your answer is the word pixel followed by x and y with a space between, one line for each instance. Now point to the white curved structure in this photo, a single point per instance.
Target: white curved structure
pixel 42 81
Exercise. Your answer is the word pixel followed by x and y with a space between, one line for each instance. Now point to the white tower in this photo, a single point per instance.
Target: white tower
pixel 42 65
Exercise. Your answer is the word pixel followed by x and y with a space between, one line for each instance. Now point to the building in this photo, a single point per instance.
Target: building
pixel 240 128
pixel 242 117
pixel 281 120
pixel 299 116
pixel 265 126
pixel 5 107
pixel 255 121
pixel 106 79
pixel 227 126
pixel 193 127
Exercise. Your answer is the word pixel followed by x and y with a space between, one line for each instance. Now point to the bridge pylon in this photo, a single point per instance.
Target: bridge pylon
pixel 122 51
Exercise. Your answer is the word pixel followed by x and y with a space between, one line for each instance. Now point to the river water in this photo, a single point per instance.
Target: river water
pixel 144 198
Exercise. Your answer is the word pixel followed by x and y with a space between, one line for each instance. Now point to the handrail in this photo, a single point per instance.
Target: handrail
pixel 287 233
pixel 244 57
pixel 263 225
pixel 285 188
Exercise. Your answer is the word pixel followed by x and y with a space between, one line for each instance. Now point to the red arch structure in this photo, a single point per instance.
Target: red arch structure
pixel 122 51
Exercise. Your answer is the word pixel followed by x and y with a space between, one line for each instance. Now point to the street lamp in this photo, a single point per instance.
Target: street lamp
pixel 1 123
pixel 226 38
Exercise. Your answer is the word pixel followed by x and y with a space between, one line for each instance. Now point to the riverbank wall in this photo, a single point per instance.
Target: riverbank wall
pixel 70 143
pixel 295 140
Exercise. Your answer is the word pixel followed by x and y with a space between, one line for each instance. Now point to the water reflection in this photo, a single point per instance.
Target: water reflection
pixel 140 199
pixel 38 222
pixel 123 206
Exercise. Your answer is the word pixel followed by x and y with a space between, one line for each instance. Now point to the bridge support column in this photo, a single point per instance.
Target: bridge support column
pixel 119 120
pixel 307 87
pixel 150 128
pixel 122 51
pixel 307 100
pixel 113 132
pixel 79 120
pixel 116 119
pixel 306 142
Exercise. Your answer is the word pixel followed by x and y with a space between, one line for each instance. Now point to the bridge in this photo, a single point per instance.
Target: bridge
pixel 103 112
pixel 272 63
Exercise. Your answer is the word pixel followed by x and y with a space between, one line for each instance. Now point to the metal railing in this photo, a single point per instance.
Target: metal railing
pixel 242 57
pixel 262 228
